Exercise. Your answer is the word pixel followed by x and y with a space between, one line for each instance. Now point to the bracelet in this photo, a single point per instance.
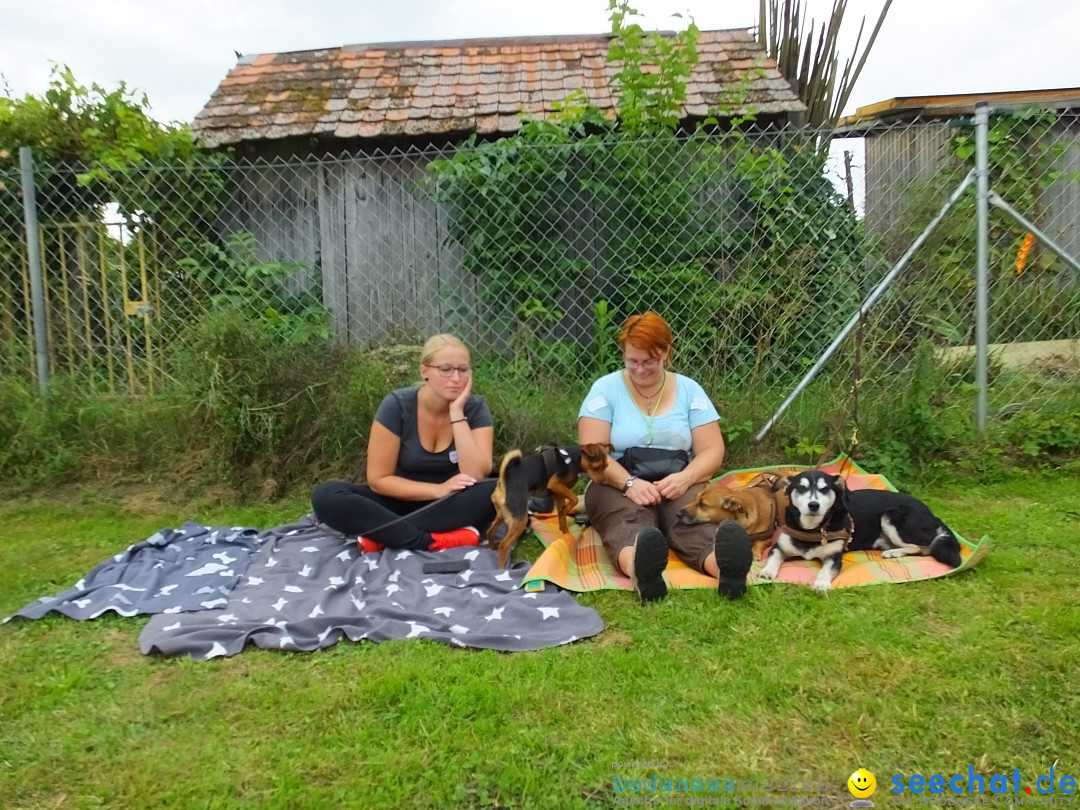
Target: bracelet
pixel 455 421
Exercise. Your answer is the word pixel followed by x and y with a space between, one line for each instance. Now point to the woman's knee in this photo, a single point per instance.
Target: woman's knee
pixel 327 494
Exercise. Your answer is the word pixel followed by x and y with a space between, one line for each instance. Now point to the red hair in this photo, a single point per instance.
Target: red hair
pixel 648 332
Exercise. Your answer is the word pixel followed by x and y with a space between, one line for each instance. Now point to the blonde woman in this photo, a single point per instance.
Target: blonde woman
pixel 427 442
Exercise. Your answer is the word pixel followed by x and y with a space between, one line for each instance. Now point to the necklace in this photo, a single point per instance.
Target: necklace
pixel 658 395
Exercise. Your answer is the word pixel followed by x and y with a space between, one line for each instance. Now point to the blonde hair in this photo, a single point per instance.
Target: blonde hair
pixel 437 342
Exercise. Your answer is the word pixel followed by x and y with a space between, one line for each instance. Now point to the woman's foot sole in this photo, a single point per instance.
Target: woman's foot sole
pixel 650 560
pixel 734 555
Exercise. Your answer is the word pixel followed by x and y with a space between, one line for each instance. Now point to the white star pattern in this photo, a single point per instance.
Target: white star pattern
pixel 432 590
pixel 209 568
pixel 403 555
pixel 309 549
pixel 306 571
pixel 228 618
pixel 504 576
pixel 324 634
pixel 167 590
pixel 548 613
pixel 176 609
pixel 390 589
pixel 256 580
pixel 529 596
pixel 495 615
pixel 279 604
pixel 443 611
pixel 416 629
pixel 292 589
pixel 318 611
pixel 216 651
pixel 271 562
pixel 82 602
pixel 224 557
pixel 393 577
pixel 459 630
pixel 478 592
pixel 213 603
pixel 337 580
pixel 345 555
pixel 472 555
pixel 372 561
pixel 171 627
pixel 466 575
pixel 286 640
pixel 276 623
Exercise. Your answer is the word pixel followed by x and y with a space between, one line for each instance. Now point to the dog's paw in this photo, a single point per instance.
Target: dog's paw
pixel 822 585
pixel 892 553
pixel 766 574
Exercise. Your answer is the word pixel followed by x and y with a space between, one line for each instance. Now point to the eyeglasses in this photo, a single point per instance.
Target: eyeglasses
pixel 653 363
pixel 447 370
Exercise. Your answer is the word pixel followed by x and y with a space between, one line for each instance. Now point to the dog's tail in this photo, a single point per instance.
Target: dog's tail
pixel 515 497
pixel 945 548
pixel 512 457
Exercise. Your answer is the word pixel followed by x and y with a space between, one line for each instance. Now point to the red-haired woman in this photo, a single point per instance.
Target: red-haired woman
pixel 644 405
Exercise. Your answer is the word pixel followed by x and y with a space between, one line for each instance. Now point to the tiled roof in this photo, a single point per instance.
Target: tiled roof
pixel 416 89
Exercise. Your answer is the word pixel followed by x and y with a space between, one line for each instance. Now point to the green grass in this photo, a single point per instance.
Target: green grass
pixel 977 669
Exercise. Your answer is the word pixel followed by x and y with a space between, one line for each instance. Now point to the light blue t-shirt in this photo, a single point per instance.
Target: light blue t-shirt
pixel 610 400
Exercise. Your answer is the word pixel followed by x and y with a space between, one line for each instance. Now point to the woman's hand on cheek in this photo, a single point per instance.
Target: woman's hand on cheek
pixel 673 486
pixel 458 405
pixel 644 493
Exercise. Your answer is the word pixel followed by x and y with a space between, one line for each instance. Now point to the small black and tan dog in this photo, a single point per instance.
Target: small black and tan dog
pixel 551 470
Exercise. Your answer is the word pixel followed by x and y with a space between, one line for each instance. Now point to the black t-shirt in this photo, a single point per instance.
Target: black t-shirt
pixel 397 413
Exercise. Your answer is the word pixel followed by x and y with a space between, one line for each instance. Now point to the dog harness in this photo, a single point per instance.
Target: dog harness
pixel 551 463
pixel 821 536
pixel 763 481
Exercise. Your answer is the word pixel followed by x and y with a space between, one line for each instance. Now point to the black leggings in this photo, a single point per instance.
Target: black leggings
pixel 355 510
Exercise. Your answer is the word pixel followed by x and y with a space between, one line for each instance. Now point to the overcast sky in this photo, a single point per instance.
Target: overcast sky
pixel 178 52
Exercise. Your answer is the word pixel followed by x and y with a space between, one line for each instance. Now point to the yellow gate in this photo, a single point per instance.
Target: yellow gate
pixel 100 300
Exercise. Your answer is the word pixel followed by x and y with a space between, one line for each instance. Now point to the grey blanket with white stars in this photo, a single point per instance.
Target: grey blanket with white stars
pixel 211 590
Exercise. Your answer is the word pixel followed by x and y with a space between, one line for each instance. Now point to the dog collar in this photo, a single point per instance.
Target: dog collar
pixel 821 536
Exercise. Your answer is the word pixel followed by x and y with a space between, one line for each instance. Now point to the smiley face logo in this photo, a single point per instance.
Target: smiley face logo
pixel 862 784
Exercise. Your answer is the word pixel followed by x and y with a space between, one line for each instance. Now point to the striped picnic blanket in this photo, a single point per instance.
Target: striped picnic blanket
pixel 577 561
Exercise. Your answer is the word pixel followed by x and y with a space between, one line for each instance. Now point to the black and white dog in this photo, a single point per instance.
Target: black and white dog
pixel 823 520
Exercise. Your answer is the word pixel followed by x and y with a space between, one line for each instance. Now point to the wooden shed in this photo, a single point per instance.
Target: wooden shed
pixel 907 141
pixel 332 144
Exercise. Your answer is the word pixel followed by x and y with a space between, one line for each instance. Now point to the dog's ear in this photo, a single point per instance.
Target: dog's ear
pixel 610 447
pixel 841 492
pixel 734 505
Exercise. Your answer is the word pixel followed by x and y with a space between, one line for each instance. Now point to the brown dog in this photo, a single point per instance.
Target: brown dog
pixel 552 470
pixel 758 507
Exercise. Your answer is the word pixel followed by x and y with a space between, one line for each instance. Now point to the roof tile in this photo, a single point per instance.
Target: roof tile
pixel 455 86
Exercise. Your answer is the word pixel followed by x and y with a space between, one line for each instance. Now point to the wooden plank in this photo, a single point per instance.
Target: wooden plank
pixel 332 261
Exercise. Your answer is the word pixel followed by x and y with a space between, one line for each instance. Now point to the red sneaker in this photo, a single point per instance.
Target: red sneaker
pixel 467 536
pixel 368 546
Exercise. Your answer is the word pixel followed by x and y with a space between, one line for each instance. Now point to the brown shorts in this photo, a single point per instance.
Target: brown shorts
pixel 618 520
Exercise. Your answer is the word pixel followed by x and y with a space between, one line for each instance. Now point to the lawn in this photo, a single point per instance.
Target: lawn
pixel 933 677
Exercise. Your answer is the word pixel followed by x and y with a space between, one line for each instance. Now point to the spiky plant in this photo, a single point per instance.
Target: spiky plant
pixel 808 58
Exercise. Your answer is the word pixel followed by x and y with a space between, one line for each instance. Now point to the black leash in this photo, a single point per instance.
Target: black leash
pixel 395 521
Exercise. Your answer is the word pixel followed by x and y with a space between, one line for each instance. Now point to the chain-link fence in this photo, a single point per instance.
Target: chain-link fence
pixel 757 246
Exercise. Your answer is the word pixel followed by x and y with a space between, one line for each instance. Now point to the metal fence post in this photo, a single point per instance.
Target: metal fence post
pixel 33 260
pixel 982 228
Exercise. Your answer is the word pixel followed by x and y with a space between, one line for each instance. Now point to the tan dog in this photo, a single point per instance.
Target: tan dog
pixel 758 507
pixel 552 470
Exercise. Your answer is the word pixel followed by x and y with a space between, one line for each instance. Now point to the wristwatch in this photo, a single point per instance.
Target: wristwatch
pixel 629 483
